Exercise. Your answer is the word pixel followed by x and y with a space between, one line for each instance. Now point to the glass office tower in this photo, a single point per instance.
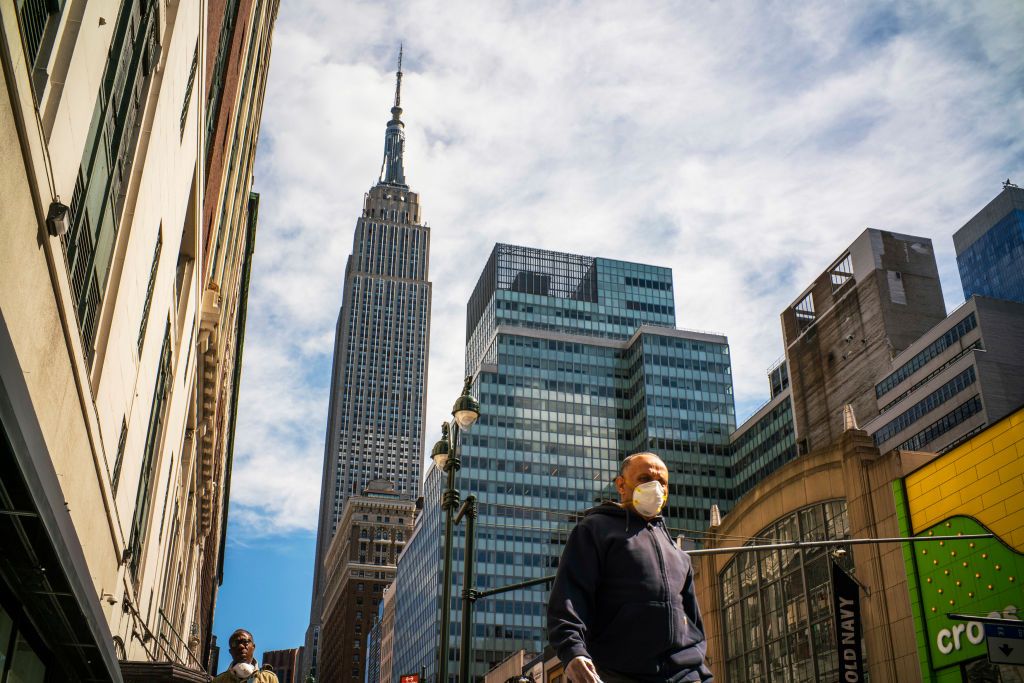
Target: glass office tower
pixel 577 363
pixel 990 248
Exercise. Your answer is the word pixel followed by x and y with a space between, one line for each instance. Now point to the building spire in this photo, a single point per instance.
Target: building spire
pixel 392 171
pixel 398 81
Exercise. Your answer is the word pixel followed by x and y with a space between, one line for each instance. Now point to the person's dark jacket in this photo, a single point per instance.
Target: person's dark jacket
pixel 624 597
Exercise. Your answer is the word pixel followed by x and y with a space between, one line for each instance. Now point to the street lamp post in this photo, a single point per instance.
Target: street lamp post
pixel 445 455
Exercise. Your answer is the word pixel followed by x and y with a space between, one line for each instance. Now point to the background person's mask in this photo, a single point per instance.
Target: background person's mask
pixel 243 670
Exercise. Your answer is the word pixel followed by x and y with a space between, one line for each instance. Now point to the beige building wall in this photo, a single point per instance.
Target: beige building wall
pixel 510 668
pixel 93 402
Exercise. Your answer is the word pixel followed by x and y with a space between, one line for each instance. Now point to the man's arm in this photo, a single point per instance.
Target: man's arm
pixel 572 602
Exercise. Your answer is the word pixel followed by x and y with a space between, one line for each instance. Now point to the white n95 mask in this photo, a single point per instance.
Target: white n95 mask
pixel 243 670
pixel 648 498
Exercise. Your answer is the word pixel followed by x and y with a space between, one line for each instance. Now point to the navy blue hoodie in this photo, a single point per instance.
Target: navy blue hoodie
pixel 624 597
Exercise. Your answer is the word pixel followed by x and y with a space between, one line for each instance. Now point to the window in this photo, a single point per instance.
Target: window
pixel 926 405
pixel 33 17
pixel 149 289
pixel 804 311
pixel 772 601
pixel 143 499
pixel 115 477
pixel 102 182
pixel 933 431
pixel 841 272
pixel 220 65
pixel 922 357
pixel 188 89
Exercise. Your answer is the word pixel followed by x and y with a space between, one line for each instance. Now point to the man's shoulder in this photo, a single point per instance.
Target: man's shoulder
pixel 601 515
pixel 267 677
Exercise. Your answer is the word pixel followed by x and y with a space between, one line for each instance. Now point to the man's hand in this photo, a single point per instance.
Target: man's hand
pixel 581 670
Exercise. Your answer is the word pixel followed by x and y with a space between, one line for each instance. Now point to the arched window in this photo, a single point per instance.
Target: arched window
pixel 777 620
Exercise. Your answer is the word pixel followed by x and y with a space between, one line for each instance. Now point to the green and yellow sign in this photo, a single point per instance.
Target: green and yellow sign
pixel 976 488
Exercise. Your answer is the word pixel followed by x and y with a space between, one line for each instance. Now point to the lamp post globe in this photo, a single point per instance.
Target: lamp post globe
pixel 467 408
pixel 439 453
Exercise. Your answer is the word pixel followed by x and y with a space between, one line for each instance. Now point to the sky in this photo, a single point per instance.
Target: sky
pixel 745 145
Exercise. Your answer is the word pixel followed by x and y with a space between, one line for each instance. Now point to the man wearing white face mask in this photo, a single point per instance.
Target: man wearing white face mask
pixel 622 608
pixel 243 664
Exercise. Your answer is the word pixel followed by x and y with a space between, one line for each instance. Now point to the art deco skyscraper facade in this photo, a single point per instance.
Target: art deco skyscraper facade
pixel 378 382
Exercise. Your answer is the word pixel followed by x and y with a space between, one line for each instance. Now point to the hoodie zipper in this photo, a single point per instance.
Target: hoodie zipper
pixel 664 582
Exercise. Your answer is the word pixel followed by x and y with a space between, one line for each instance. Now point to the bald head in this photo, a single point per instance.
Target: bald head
pixel 637 469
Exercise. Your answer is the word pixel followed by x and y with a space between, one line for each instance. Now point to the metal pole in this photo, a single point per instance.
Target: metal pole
pixel 754 548
pixel 468 594
pixel 835 541
pixel 449 501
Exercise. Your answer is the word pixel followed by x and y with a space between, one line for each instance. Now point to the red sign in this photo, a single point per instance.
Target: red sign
pixel 409 678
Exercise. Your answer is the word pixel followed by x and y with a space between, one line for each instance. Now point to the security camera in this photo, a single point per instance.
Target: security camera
pixel 839 553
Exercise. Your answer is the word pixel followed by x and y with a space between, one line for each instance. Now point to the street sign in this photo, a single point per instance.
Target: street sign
pixel 409 678
pixel 1005 644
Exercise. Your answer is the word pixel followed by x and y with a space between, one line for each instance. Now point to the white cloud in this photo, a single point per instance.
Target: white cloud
pixel 742 144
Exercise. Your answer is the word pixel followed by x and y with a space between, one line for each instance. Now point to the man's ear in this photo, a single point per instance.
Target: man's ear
pixel 620 485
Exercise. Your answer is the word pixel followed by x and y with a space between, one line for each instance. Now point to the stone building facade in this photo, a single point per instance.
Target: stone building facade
pixel 120 336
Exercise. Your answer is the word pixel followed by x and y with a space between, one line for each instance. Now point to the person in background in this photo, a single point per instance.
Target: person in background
pixel 243 667
pixel 622 607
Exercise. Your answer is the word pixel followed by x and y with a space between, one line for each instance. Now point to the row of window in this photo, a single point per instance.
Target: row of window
pixel 977 345
pixel 648 284
pixel 947 422
pixel 925 406
pixel 922 357
pixel 660 309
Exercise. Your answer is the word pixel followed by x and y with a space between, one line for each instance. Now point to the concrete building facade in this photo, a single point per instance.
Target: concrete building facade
pixel 361 563
pixel 379 375
pixel 990 248
pixel 873 302
pixel 119 370
pixel 965 373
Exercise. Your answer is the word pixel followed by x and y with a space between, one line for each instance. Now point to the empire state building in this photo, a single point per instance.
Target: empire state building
pixel 378 380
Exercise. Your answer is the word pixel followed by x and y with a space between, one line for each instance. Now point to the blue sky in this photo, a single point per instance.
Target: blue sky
pixel 742 144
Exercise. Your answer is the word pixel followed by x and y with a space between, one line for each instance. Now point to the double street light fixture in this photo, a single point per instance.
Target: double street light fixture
pixel 445 455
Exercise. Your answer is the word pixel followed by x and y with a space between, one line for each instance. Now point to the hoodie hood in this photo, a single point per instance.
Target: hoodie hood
pixel 613 509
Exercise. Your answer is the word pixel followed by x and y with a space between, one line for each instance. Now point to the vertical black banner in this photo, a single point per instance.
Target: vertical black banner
pixel 846 603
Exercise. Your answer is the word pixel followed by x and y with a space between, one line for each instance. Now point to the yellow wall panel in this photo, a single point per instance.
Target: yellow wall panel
pixel 982 478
